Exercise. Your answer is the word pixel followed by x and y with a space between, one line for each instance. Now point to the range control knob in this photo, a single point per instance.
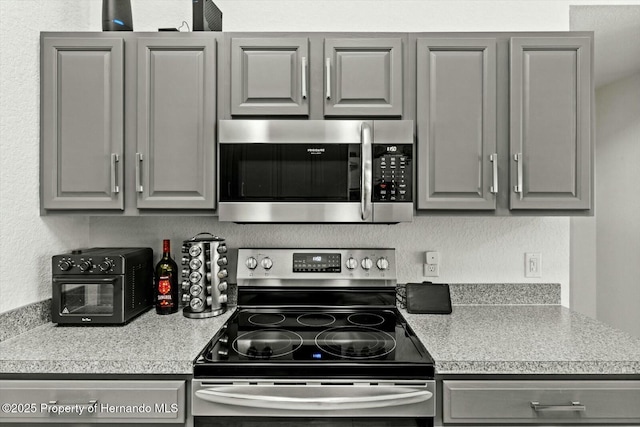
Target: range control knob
pixel 367 263
pixel 85 265
pixel 352 263
pixel 222 286
pixel 223 260
pixel 222 249
pixel 382 263
pixel 222 299
pixel 266 263
pixel 105 265
pixel 64 265
pixel 251 263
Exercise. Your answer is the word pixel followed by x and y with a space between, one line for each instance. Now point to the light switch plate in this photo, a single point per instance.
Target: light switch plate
pixel 533 264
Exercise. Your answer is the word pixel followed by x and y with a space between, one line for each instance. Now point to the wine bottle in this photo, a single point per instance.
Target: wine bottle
pixel 166 277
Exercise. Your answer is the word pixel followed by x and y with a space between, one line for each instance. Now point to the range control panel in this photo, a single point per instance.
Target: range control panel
pixel 293 265
pixel 392 172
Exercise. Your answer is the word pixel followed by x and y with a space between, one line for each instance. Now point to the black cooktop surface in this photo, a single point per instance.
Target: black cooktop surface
pixel 315 343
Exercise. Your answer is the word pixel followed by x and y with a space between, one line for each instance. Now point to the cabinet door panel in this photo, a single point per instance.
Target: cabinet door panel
pixel 551 123
pixel 82 123
pixel 456 118
pixel 269 76
pixel 363 77
pixel 176 120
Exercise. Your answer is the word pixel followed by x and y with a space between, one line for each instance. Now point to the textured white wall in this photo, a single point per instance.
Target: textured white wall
pixel 618 204
pixel 478 250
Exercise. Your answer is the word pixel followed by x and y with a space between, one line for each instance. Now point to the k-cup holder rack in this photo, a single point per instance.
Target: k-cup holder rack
pixel 204 276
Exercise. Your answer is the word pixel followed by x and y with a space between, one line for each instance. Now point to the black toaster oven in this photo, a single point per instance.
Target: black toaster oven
pixel 100 286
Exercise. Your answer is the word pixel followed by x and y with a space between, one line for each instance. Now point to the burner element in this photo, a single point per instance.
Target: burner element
pixel 316 319
pixel 267 343
pixel 365 319
pixel 266 319
pixel 355 342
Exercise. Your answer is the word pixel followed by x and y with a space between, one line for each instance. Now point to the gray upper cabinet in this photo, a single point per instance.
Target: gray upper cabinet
pixel 363 77
pixel 550 122
pixel 82 123
pixel 176 123
pixel 269 76
pixel 456 123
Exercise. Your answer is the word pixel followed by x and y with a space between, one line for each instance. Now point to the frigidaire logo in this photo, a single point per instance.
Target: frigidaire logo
pixel 315 150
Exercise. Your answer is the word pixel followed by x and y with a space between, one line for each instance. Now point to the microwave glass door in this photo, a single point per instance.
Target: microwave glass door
pixel 290 172
pixel 87 298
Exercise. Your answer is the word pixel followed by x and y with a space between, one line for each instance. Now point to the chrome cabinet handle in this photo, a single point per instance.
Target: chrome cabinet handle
pixel 328 76
pixel 494 163
pixel 304 77
pixel 518 187
pixel 573 407
pixel 365 197
pixel 139 159
pixel 115 188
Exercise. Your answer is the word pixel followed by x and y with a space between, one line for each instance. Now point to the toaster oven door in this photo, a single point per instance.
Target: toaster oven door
pixel 87 300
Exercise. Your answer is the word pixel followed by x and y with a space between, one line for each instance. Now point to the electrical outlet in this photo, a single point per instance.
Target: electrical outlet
pixel 533 264
pixel 431 270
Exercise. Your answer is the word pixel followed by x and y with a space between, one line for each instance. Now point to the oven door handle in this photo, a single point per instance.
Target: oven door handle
pixel 334 398
pixel 366 179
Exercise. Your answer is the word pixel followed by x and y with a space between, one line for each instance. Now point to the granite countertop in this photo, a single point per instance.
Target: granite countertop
pixel 149 344
pixel 474 339
pixel 524 339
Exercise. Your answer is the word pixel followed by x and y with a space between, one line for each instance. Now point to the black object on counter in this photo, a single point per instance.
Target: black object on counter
pixel 116 15
pixel 428 298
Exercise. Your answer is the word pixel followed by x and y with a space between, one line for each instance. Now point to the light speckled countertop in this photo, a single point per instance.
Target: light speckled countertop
pixel 149 344
pixel 524 339
pixel 483 339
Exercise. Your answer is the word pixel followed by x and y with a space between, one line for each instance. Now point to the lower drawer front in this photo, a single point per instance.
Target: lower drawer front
pixel 541 401
pixel 88 401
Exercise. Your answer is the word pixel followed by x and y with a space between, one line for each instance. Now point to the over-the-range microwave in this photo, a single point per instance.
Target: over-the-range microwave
pixel 312 171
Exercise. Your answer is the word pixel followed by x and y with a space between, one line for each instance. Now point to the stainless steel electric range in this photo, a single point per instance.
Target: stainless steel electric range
pixel 316 338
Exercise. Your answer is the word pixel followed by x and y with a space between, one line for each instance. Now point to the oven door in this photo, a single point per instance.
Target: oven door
pixel 87 300
pixel 295 171
pixel 403 401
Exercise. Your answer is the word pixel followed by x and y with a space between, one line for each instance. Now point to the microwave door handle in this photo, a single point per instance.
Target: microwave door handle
pixel 366 179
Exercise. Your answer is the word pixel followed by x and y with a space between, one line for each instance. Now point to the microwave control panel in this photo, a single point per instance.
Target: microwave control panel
pixel 392 172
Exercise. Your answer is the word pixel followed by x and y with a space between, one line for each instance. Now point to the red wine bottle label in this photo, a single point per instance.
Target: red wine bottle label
pixel 164 292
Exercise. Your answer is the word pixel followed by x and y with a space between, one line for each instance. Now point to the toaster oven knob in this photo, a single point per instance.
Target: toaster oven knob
pixel 222 286
pixel 382 263
pixel 367 263
pixel 105 265
pixel 251 263
pixel 223 260
pixel 222 299
pixel 352 263
pixel 266 263
pixel 222 249
pixel 222 274
pixel 85 265
pixel 64 265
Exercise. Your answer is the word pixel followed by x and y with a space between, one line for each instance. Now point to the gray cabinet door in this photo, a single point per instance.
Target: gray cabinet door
pixel 176 123
pixel 269 76
pixel 82 123
pixel 550 119
pixel 363 77
pixel 456 123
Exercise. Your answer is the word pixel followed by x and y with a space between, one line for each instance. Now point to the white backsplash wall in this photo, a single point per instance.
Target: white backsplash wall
pixel 472 250
pixel 478 250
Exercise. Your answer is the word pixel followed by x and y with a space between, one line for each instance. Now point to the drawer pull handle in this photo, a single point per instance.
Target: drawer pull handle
pixel 573 407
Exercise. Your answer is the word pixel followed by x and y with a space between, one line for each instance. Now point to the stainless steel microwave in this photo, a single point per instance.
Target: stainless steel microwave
pixel 313 171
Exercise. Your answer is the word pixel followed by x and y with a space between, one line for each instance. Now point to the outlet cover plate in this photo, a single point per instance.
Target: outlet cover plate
pixel 431 270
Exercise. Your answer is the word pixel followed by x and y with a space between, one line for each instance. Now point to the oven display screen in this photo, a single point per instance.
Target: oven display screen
pixel 316 263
